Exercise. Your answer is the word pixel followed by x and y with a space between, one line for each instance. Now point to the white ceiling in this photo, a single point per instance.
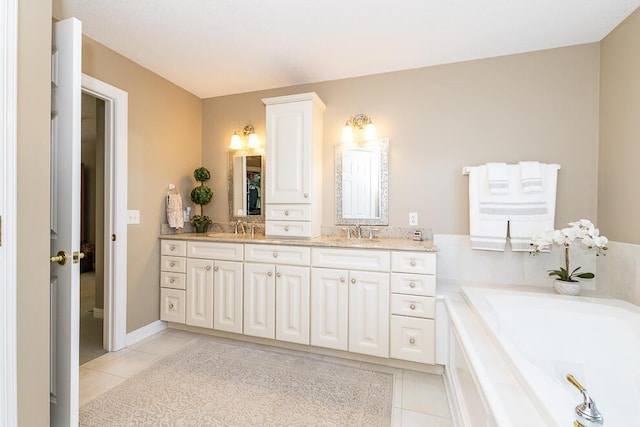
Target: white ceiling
pixel 221 47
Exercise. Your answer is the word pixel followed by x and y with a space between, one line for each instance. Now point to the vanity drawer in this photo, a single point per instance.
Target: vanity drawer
pixel 413 339
pixel 413 262
pixel 288 228
pixel 173 247
pixel 172 305
pixel 173 280
pixel 173 264
pixel 351 259
pixel 293 255
pixel 413 284
pixel 412 305
pixel 288 212
pixel 216 250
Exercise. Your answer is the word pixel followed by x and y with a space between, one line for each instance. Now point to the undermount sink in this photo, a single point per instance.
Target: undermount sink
pixel 234 236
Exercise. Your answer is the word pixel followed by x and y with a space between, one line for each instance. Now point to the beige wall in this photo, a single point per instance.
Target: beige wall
pixel 618 172
pixel 164 146
pixel 34 104
pixel 535 106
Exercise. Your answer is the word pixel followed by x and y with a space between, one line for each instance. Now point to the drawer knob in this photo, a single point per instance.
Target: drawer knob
pixel 275 254
pixel 306 195
pixel 172 248
pixel 172 264
pixel 278 275
pixel 170 305
pixel 342 279
pixel 412 341
pixel 353 281
pixel 216 268
pixel 172 280
pixel 286 213
pixel 286 228
pixel 412 306
pixel 413 263
pixel 208 267
pixel 412 285
pixel 269 274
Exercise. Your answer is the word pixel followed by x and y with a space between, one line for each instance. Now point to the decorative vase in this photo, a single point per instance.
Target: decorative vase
pixel 567 288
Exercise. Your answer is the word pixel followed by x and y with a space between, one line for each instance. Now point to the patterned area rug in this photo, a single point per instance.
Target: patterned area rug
pixel 214 383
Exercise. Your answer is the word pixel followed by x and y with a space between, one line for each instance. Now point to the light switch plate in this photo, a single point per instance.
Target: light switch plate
pixel 413 219
pixel 133 217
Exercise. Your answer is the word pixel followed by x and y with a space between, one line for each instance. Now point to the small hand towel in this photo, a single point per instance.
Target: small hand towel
pixel 530 177
pixel 175 217
pixel 498 178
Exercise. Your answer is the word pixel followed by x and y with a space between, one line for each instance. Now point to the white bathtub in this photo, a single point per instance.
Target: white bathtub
pixel 544 337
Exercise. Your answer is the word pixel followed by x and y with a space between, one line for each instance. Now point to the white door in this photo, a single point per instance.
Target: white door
pixel 369 313
pixel 292 304
pixel 227 296
pixel 200 293
pixel 330 298
pixel 259 300
pixel 65 220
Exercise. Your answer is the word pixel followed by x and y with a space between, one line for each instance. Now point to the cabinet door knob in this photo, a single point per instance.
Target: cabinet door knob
pixel 413 263
pixel 306 195
pixel 342 279
pixel 171 305
pixel 172 280
pixel 172 264
pixel 208 267
pixel 353 281
pixel 412 285
pixel 412 341
pixel 277 274
pixel 172 248
pixel 286 228
pixel 269 274
pixel 286 213
pixel 216 268
pixel 412 306
pixel 275 254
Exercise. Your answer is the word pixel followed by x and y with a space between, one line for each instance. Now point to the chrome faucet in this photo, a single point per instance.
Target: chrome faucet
pixel 239 227
pixel 587 414
pixel 358 231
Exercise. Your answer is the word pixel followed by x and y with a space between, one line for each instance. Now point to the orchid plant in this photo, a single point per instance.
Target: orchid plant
pixel 582 230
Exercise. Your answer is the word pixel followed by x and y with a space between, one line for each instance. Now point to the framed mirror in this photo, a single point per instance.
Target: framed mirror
pixel 362 183
pixel 246 190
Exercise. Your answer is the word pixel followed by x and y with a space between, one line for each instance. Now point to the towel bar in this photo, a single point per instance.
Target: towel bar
pixel 466 169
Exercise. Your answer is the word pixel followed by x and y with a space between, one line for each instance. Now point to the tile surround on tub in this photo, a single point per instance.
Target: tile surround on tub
pixel 619 272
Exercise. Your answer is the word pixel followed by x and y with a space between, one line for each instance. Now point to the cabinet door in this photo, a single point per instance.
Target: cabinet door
pixel 227 296
pixel 292 304
pixel 329 305
pixel 259 300
pixel 289 152
pixel 172 305
pixel 369 313
pixel 200 293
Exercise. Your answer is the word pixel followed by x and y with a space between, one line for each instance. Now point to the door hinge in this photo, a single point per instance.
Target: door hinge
pixel 113 237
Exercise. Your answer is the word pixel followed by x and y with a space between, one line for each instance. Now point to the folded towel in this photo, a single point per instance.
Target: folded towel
pixel 530 177
pixel 498 178
pixel 175 217
pixel 485 233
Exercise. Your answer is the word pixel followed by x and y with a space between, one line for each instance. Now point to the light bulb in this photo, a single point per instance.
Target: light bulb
pixel 370 132
pixel 254 142
pixel 347 134
pixel 235 143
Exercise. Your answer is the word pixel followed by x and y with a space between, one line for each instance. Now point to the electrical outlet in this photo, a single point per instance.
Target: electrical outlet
pixel 133 217
pixel 413 219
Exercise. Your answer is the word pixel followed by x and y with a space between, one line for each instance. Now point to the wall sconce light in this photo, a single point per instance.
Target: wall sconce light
pixel 250 135
pixel 359 121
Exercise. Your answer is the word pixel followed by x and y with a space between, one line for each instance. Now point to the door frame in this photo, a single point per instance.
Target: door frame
pixel 115 202
pixel 8 213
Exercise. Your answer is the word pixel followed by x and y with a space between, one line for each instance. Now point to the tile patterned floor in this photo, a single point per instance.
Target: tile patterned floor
pixel 419 399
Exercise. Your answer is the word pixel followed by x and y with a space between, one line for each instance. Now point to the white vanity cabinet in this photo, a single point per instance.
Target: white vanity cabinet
pixel 277 292
pixel 294 165
pixel 350 300
pixel 173 268
pixel 413 287
pixel 215 285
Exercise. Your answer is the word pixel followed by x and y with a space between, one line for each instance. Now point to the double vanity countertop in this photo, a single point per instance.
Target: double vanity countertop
pixel 381 243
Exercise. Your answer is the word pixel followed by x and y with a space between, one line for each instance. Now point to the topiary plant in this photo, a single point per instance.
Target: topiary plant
pixel 201 195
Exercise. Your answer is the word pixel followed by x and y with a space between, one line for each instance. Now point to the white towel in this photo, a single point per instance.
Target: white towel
pixel 175 217
pixel 530 177
pixel 498 178
pixel 486 233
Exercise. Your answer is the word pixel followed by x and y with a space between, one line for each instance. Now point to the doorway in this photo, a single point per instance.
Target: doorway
pixel 92 229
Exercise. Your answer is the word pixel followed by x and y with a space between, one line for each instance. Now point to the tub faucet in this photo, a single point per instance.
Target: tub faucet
pixel 239 227
pixel 587 414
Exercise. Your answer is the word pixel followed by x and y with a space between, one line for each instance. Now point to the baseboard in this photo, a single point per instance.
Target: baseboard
pixel 98 313
pixel 145 332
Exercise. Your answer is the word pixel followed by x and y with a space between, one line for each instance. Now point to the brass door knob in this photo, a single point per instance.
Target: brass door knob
pixel 60 258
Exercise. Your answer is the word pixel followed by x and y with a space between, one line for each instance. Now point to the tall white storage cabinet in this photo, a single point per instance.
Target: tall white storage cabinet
pixel 294 165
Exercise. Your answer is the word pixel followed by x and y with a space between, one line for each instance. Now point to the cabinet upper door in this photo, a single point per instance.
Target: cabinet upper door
pixel 289 152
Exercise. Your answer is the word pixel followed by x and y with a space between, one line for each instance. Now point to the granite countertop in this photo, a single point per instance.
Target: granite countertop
pixel 322 241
